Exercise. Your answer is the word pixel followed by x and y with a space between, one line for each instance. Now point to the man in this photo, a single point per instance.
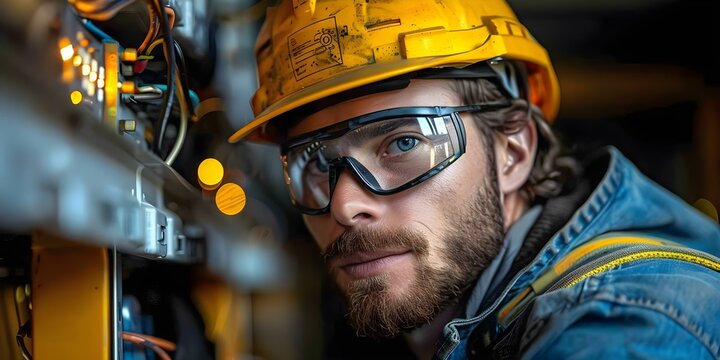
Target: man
pixel 415 141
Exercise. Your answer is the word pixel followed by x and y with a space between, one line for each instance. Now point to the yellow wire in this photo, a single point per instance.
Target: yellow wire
pixel 153 45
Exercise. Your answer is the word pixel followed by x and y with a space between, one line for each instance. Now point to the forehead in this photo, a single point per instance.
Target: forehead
pixel 418 93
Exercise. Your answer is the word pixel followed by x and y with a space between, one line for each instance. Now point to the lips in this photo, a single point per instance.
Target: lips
pixel 365 264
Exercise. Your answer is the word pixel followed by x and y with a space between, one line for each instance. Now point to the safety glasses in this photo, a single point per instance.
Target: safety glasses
pixel 388 151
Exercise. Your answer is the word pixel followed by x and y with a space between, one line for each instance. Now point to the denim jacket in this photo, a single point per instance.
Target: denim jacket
pixel 656 309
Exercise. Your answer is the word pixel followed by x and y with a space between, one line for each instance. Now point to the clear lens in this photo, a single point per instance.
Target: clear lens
pixel 392 153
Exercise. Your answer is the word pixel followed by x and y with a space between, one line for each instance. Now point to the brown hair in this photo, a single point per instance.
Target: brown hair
pixel 550 169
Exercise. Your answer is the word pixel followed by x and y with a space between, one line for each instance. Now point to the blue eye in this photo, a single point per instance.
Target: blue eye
pixel 405 143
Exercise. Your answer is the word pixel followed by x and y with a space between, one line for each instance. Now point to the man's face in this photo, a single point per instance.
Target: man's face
pixel 401 259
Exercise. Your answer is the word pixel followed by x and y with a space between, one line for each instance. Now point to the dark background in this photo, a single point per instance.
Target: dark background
pixel 642 76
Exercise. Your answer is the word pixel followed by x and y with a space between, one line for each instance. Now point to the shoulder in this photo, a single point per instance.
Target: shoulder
pixel 654 308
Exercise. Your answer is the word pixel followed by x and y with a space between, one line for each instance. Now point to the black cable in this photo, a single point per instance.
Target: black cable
pixel 169 94
pixel 183 76
pixel 22 332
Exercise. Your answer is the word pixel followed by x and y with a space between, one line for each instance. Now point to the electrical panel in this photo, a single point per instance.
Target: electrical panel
pixel 106 209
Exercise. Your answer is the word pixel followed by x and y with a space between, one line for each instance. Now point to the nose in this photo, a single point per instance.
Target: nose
pixel 352 204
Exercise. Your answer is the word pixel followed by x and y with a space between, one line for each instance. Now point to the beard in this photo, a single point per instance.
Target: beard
pixel 473 236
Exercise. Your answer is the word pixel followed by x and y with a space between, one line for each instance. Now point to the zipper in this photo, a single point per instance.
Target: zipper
pixel 595 265
pixel 632 254
pixel 585 253
pixel 489 310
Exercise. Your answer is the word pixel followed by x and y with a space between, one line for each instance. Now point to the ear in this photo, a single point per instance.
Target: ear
pixel 515 149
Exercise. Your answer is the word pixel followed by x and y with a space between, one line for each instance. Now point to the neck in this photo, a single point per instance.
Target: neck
pixel 422 341
pixel 515 204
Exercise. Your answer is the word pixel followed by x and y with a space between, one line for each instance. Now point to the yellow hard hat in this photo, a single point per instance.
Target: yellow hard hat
pixel 308 50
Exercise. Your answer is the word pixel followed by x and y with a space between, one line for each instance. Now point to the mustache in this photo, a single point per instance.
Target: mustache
pixel 365 240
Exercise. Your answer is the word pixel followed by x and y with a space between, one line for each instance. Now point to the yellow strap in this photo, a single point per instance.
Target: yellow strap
pixel 585 250
pixel 568 261
pixel 512 308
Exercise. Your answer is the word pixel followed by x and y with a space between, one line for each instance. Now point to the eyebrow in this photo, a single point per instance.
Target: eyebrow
pixel 379 129
pixel 342 128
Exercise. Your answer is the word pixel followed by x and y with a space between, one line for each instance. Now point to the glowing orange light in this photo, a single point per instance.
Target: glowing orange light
pixel 76 97
pixel 230 199
pixel 66 49
pixel 210 173
pixel 77 60
pixel 112 70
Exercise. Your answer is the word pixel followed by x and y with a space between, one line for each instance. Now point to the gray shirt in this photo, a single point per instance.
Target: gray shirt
pixel 499 267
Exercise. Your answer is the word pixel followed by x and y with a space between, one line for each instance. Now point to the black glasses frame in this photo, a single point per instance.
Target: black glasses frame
pixel 361 172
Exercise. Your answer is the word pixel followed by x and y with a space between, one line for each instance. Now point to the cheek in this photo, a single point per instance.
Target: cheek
pixel 445 198
pixel 426 209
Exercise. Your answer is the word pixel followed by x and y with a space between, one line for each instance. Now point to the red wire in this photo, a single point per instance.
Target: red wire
pixel 165 344
pixel 140 340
